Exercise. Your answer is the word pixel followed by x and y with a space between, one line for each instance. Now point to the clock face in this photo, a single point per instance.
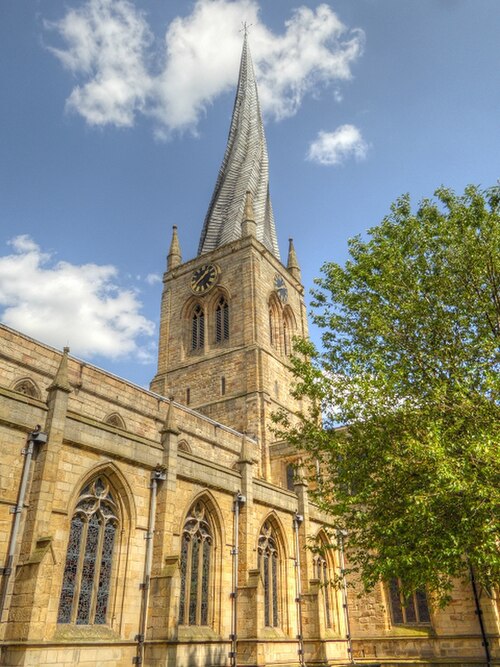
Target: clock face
pixel 204 278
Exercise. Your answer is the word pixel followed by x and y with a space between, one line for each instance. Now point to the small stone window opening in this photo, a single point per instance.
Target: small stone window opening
pixel 85 593
pixel 28 388
pixel 290 477
pixel 286 338
pixel 196 564
pixel 188 396
pixel 223 386
pixel 222 321
pixel 114 419
pixel 321 572
pixel 269 568
pixel 413 610
pixel 198 329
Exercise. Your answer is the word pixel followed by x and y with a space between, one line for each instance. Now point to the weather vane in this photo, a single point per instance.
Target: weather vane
pixel 245 27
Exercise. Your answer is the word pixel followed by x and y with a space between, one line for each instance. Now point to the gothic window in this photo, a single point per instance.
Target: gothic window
pixel 413 610
pixel 196 565
pixel 274 324
pixel 114 419
pixel 288 330
pixel 290 477
pixel 269 568
pixel 27 387
pixel 89 558
pixel 198 328
pixel 221 321
pixel 321 572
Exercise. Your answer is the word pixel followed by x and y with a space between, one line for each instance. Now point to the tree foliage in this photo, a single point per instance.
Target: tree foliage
pixel 410 366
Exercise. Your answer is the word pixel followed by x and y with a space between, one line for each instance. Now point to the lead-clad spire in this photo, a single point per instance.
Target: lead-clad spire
pixel 245 167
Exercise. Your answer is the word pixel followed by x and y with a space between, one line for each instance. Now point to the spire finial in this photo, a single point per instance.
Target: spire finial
pixel 293 263
pixel 174 254
pixel 60 380
pixel 244 28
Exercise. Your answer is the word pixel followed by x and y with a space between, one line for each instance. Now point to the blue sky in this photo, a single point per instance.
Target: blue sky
pixel 113 122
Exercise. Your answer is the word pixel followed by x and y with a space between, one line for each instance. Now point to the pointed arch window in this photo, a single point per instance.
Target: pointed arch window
pixel 288 330
pixel 198 328
pixel 89 557
pixel 221 320
pixel 269 568
pixel 274 324
pixel 27 387
pixel 321 572
pixel 196 565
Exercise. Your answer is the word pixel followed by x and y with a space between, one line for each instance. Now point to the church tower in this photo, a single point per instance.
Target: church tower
pixel 228 316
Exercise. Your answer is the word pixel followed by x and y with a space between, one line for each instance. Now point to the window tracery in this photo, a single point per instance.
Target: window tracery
pixel 86 583
pixel 268 554
pixel 196 563
pixel 27 387
pixel 114 419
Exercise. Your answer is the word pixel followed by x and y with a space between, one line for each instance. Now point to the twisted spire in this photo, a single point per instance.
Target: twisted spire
pixel 245 167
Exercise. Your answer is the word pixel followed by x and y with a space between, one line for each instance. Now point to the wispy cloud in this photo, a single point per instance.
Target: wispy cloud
pixel 62 303
pixel 109 47
pixel 333 148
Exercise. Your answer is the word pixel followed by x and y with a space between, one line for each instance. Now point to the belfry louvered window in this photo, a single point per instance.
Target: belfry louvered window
pixel 221 321
pixel 89 558
pixel 198 328
pixel 269 569
pixel 196 562
pixel 413 610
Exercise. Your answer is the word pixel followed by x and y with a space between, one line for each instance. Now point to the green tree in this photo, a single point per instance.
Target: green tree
pixel 410 366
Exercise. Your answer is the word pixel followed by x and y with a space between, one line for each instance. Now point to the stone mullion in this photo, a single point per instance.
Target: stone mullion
pixel 79 570
pixel 200 582
pixel 97 570
pixel 187 591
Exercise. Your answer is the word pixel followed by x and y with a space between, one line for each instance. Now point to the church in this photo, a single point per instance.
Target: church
pixel 168 527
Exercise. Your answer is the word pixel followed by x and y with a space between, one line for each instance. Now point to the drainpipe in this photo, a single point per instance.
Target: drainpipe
pixel 159 474
pixel 297 520
pixel 36 437
pixel 239 500
pixel 345 606
pixel 479 614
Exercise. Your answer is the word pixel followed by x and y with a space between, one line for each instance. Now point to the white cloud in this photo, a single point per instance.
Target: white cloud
pixel 65 304
pixel 109 46
pixel 106 45
pixel 153 278
pixel 333 148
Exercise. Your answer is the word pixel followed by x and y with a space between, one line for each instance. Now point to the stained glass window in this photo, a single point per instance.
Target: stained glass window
pixel 196 556
pixel 198 328
pixel 222 321
pixel 269 568
pixel 413 610
pixel 89 556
